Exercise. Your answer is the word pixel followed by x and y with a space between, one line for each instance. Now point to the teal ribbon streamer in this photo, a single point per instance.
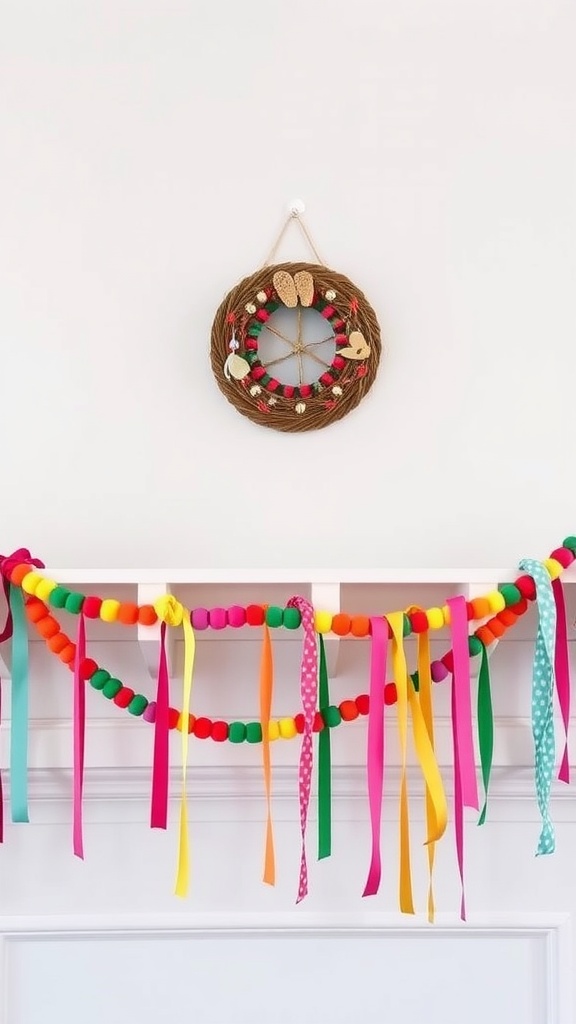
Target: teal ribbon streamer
pixel 543 698
pixel 324 763
pixel 19 711
pixel 485 717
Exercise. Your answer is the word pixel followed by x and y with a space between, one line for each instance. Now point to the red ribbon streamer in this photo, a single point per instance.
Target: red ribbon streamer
pixel 562 672
pixel 375 746
pixel 79 736
pixel 159 801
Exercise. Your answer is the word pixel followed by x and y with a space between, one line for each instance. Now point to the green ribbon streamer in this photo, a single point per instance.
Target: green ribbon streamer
pixel 19 711
pixel 324 765
pixel 485 727
pixel 543 698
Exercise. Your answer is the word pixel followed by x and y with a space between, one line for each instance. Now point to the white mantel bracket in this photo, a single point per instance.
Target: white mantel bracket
pixel 326 598
pixel 149 636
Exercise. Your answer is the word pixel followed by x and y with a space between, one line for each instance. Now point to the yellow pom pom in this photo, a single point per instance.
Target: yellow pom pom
pixel 553 568
pixel 323 622
pixel 273 730
pixel 287 728
pixel 109 610
pixel 496 601
pixel 446 614
pixel 30 582
pixel 45 588
pixel 435 618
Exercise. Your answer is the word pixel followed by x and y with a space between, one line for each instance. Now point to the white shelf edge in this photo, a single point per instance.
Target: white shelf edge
pixel 360 577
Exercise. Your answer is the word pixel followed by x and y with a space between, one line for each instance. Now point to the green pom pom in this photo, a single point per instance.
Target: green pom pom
pixel 291 618
pixel 111 688
pixel 237 732
pixel 475 645
pixel 138 704
pixel 74 603
pixel 274 616
pixel 510 593
pixel 570 543
pixel 99 679
pixel 415 681
pixel 265 380
pixel 332 716
pixel 58 597
pixel 254 732
pixel 406 626
pixel 272 306
pixel 254 329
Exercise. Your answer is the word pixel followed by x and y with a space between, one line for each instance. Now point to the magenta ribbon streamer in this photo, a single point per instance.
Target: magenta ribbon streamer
pixel 375 746
pixel 159 801
pixel 1 785
pixel 309 696
pixel 465 782
pixel 79 735
pixel 562 672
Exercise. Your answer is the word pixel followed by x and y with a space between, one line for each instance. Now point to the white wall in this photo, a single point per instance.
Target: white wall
pixel 149 149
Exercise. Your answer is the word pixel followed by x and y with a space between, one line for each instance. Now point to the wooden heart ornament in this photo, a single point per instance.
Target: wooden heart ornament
pixel 357 348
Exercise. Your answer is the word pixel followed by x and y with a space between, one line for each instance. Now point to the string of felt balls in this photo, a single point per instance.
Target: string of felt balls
pixel 513 597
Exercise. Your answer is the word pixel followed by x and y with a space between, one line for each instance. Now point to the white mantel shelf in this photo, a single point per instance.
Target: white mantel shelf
pixel 359 577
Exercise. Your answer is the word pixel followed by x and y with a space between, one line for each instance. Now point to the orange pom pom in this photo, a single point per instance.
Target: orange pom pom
pixel 485 635
pixel 18 573
pixel 57 643
pixel 480 607
pixel 360 625
pixel 36 610
pixel 47 627
pixel 67 653
pixel 341 624
pixel 128 613
pixel 497 628
pixel 147 616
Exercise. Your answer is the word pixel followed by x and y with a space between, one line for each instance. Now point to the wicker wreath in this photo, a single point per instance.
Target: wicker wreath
pixel 246 381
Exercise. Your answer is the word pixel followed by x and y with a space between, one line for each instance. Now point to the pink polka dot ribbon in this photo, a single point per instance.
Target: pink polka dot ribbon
pixel 309 696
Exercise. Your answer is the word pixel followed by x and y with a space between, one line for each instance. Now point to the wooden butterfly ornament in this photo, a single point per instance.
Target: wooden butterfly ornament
pixel 291 289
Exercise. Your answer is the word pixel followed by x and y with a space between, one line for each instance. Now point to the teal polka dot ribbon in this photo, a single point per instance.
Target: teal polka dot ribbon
pixel 542 698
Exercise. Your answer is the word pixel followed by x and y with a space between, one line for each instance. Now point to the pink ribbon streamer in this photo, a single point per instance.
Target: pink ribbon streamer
pixel 1 785
pixel 465 782
pixel 309 696
pixel 79 736
pixel 375 746
pixel 562 672
pixel 159 800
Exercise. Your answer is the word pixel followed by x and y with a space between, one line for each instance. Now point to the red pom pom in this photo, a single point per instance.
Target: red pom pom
pixel 564 556
pixel 288 391
pixel 326 379
pixel 527 587
pixel 273 385
pixel 448 661
pixel 220 731
pixel 305 390
pixel 254 615
pixel 318 722
pixel 251 343
pixel 202 728
pixel 91 607
pixel 262 315
pixel 338 362
pixel 390 693
pixel 87 668
pixel 123 697
pixel 258 372
pixel 418 621
pixel 363 703
pixel 173 717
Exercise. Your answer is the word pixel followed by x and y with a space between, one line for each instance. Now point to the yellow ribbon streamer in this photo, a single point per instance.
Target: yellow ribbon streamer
pixel 183 870
pixel 396 622
pixel 423 730
pixel 266 687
